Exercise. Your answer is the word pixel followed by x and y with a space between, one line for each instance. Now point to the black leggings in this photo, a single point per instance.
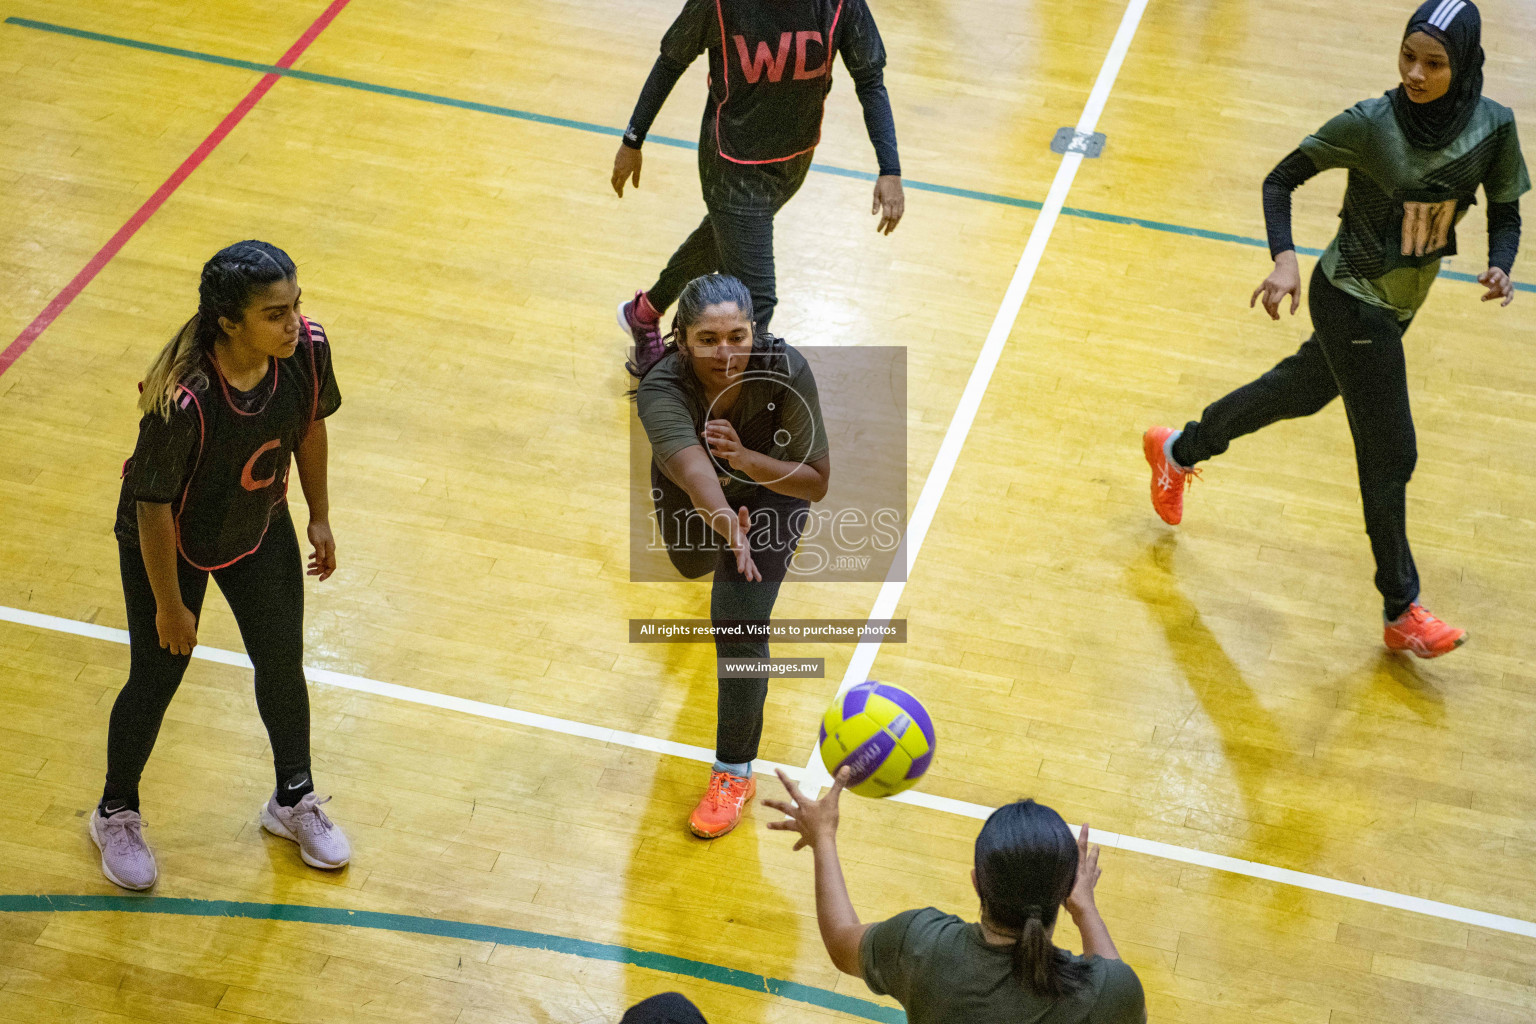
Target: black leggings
pixel 695 550
pixel 1356 351
pixel 265 590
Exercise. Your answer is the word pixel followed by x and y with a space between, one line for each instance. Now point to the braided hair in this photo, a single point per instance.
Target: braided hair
pixel 229 281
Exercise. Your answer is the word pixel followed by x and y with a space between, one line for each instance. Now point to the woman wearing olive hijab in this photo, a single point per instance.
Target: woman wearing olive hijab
pixel 1415 158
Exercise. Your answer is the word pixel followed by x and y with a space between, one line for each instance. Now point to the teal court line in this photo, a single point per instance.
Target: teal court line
pixel 599 129
pixel 664 962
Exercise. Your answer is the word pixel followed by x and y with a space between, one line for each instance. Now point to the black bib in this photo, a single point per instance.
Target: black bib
pixel 240 471
pixel 777 57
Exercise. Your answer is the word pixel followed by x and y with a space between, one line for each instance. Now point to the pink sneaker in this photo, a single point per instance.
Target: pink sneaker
pixel 126 859
pixel 321 842
pixel 644 330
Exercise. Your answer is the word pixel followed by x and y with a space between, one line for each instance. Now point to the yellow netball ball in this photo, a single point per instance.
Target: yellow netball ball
pixel 881 732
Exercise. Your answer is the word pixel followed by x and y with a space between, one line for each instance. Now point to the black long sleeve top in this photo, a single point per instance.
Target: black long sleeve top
pixel 1297 168
pixel 859 44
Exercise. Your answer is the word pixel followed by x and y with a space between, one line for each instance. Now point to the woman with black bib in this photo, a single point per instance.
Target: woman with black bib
pixel 1415 159
pixel 243 389
pixel 739 452
pixel 770 69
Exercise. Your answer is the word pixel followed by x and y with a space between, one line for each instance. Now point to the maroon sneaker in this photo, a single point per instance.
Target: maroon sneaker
pixel 645 332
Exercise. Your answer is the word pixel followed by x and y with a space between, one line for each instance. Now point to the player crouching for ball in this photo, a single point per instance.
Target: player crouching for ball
pixel 739 452
pixel 243 389
pixel 1001 970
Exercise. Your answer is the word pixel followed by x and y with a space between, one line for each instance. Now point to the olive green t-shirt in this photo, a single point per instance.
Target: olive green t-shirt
pixel 942 972
pixel 1385 171
pixel 777 412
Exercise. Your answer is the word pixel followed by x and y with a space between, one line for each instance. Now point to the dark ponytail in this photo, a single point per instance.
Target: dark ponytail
pixel 1034 958
pixel 1026 864
pixel 228 282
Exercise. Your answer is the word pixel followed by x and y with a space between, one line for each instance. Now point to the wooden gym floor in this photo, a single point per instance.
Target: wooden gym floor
pixel 1217 689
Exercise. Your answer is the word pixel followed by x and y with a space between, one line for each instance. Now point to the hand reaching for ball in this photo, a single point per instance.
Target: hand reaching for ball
pixel 815 820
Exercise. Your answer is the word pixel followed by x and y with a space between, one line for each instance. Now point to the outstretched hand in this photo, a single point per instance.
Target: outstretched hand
pixel 741 546
pixel 814 820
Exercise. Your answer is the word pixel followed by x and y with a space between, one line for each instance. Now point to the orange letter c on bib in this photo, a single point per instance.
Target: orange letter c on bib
pixel 249 482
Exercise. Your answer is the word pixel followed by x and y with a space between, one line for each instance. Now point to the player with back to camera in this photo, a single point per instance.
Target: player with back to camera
pixel 770 69
pixel 1415 158
pixel 243 388
pixel 739 452
pixel 1004 968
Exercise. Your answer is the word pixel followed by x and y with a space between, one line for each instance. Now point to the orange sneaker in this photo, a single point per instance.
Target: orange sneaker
pixel 1420 632
pixel 720 809
pixel 1168 480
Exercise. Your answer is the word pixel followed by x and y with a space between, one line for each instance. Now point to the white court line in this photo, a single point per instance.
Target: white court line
pixel 863 661
pixel 1164 851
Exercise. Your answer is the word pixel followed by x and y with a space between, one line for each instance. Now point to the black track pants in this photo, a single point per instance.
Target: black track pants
pixel 1356 351
pixel 736 235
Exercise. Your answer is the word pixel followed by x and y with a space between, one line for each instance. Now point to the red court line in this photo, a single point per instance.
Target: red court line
pixel 62 300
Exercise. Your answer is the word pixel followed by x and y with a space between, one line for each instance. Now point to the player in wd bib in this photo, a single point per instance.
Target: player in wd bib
pixel 1415 159
pixel 243 388
pixel 770 69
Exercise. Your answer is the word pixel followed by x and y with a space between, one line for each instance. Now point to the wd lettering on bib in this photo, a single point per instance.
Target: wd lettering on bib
pixel 766 109
pixel 752 68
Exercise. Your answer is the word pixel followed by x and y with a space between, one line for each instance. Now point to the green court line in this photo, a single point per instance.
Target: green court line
pixel 664 962
pixel 588 126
